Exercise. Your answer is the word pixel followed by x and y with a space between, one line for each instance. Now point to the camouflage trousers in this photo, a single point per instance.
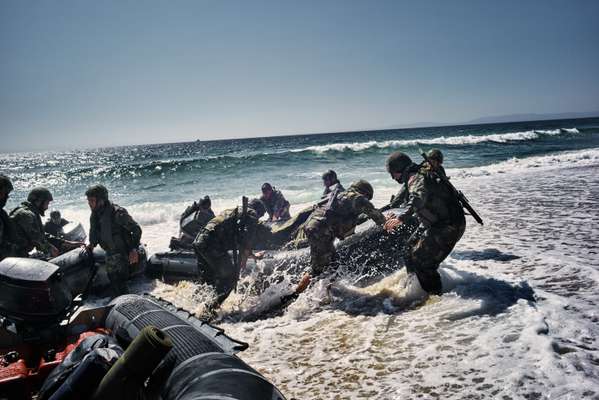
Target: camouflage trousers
pixel 217 270
pixel 322 239
pixel 117 269
pixel 427 250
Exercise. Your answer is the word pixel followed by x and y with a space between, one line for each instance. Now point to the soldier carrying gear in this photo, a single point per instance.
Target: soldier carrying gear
pixel 28 228
pixel 274 202
pixel 258 206
pixel 439 213
pixel 7 244
pixel 203 204
pixel 336 219
pixel 116 232
pixel 331 183
pixel 231 230
pixel 399 165
pixel 193 219
pixel 435 159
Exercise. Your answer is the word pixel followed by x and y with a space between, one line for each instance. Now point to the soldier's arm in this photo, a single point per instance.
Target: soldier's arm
pixel 365 207
pixel 29 227
pixel 7 248
pixel 419 194
pixel 2 238
pixel 4 245
pixel 124 219
pixel 281 204
pixel 93 233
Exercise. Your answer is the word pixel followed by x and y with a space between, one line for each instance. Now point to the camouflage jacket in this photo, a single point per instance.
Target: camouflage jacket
pixel 223 232
pixel 276 204
pixel 55 229
pixel 432 201
pixel 342 212
pixel 335 187
pixel 28 230
pixel 114 230
pixel 7 245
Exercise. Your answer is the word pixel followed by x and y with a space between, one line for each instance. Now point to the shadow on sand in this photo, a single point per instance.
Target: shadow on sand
pixel 483 255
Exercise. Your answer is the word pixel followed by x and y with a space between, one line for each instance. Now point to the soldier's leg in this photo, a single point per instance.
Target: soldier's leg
pixel 218 271
pixel 117 269
pixel 429 250
pixel 322 251
pixel 227 277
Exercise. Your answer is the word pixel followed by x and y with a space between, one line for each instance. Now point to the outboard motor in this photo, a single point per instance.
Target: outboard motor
pixel 32 291
pixel 201 364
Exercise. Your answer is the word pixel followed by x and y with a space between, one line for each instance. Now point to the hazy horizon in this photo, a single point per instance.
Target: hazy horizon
pixel 94 75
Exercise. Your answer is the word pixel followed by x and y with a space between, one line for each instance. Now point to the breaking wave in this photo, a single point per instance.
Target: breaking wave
pixel 443 140
pixel 566 159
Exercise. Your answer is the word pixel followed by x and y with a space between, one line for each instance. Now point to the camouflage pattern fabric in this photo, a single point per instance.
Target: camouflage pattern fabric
pixel 335 187
pixel 28 230
pixel 336 219
pixel 216 269
pixel 117 233
pixel 277 204
pixel 428 250
pixel 7 245
pixel 442 224
pixel 117 269
pixel 55 229
pixel 114 230
pixel 220 236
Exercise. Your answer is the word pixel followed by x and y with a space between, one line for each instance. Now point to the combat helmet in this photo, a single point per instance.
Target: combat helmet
pixel 39 194
pixel 97 191
pixel 258 207
pixel 398 162
pixel 330 175
pixel 5 183
pixel 364 188
pixel 206 202
pixel 435 155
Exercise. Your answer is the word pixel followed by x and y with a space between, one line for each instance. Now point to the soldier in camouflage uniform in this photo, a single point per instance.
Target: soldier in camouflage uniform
pixel 439 213
pixel 276 205
pixel 229 231
pixel 336 219
pixel 54 226
pixel 435 157
pixel 401 198
pixel 7 245
pixel 117 233
pixel 28 227
pixel 331 183
pixel 190 227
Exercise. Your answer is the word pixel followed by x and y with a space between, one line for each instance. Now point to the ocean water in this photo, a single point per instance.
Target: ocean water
pixel 519 314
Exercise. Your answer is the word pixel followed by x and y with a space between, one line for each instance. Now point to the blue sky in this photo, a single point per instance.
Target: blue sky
pixel 83 73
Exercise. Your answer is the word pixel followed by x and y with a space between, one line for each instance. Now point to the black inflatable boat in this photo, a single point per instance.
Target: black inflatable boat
pixel 370 245
pixel 77 267
pixel 42 324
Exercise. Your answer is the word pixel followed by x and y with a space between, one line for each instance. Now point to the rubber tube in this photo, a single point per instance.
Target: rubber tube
pixel 128 374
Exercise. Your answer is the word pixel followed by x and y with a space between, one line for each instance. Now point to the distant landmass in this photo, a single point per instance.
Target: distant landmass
pixel 501 119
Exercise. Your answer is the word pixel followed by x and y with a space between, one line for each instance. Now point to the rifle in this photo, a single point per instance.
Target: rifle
pixel 460 196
